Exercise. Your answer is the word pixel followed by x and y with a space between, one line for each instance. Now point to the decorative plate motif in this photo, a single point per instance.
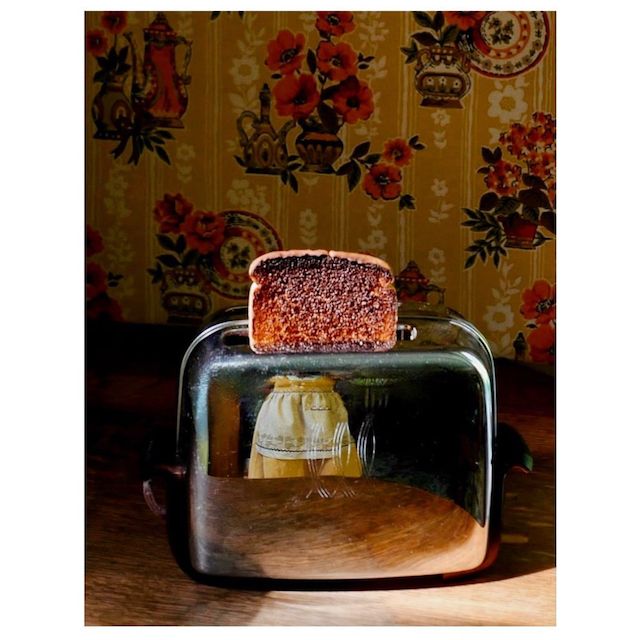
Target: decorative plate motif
pixel 247 236
pixel 507 43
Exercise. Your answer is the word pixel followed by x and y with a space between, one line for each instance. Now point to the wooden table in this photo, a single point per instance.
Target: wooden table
pixel 133 579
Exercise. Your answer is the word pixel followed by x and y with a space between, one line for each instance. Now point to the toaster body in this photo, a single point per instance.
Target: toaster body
pixel 338 466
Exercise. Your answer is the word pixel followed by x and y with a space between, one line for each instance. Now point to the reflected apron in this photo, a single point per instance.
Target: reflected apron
pixel 301 428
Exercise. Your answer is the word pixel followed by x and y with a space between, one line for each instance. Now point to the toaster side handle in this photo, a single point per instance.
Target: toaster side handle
pixel 512 451
pixel 154 464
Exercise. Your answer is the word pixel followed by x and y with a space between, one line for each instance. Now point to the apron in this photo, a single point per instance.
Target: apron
pixel 302 429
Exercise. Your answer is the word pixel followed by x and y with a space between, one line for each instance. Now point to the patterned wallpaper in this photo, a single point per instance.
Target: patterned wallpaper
pixel 425 138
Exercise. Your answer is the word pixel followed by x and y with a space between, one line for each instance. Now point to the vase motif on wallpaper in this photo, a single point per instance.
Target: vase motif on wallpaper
pixel 188 236
pixel 442 67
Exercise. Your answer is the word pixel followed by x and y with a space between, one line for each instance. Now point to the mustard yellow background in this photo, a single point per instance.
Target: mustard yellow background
pixel 228 70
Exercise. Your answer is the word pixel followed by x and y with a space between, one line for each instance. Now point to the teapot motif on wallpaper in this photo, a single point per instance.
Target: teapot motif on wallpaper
pixel 138 109
pixel 265 150
pixel 158 89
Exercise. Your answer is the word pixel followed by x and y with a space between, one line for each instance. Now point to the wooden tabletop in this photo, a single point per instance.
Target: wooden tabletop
pixel 133 579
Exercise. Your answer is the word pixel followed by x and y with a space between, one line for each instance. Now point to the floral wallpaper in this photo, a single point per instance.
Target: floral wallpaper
pixel 425 138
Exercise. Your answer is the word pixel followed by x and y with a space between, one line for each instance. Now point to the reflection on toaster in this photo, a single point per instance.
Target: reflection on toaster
pixel 302 430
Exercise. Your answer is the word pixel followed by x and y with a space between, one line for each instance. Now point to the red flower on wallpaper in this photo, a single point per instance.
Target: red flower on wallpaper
pixel 353 100
pixel 97 42
pixel 503 178
pixel 94 243
pixel 114 21
pixel 464 20
pixel 171 212
pixel 96 280
pixel 104 307
pixel 397 151
pixel 539 302
pixel 204 231
pixel 285 52
pixel 336 61
pixel 539 307
pixel 296 96
pixel 99 305
pixel 542 344
pixel 383 181
pixel 334 23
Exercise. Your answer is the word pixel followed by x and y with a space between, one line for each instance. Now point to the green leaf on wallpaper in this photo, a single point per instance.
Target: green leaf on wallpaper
pixel 180 243
pixel 372 158
pixel 496 258
pixel 483 170
pixel 470 261
pixel 163 133
pixel 190 257
pixel 293 182
pixel 347 167
pixel 506 205
pixel 162 154
pixel 540 239
pixel 473 215
pixel 410 53
pixel 284 177
pixel 147 143
pixel 166 242
pixel 491 156
pixel 547 219
pixel 487 155
pixel 450 34
pixel 425 38
pixel 531 180
pixel 488 201
pixel 157 274
pixel 406 202
pixel 239 161
pixel 169 260
pixel 423 19
pixel 414 143
pixel 534 198
pixel 311 61
pixel 361 149
pixel 354 177
pixel 438 20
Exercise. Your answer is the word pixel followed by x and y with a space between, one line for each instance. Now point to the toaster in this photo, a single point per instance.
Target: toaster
pixel 337 466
